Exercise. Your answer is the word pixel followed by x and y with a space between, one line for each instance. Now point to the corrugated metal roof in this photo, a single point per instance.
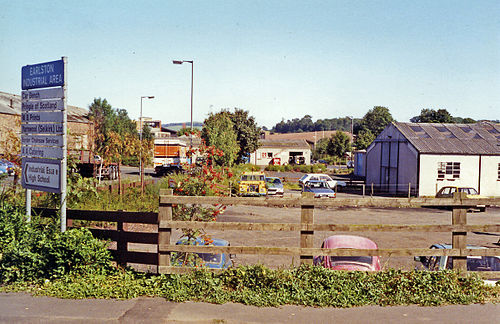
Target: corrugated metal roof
pixel 292 143
pixel 11 104
pixel 479 138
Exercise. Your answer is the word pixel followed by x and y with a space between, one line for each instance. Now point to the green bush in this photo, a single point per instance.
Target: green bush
pixel 38 250
pixel 260 286
pixel 131 161
pixel 313 168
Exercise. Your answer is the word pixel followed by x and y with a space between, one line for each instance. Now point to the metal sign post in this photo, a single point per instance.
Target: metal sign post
pixel 43 131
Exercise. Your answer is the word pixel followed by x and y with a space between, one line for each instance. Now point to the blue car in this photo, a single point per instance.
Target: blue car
pixel 319 188
pixel 3 169
pixel 10 166
pixel 209 260
pixel 474 263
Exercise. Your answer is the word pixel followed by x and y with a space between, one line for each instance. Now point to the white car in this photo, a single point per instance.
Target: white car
pixel 320 177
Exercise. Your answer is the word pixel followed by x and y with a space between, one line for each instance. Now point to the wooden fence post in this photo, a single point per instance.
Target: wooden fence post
pixel 409 190
pixel 364 189
pixel 121 244
pixel 372 190
pixel 307 237
pixel 164 214
pixel 459 239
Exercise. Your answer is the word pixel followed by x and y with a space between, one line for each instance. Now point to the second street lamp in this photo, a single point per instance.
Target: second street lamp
pixel 192 70
pixel 141 171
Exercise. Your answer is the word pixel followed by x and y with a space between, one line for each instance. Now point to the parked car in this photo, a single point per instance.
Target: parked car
pixel 11 166
pixel 3 169
pixel 209 260
pixel 474 263
pixel 320 177
pixel 319 188
pixel 252 184
pixel 448 191
pixel 356 263
pixel 274 186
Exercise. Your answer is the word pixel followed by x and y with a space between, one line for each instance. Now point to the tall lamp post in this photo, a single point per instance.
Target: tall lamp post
pixel 192 70
pixel 141 171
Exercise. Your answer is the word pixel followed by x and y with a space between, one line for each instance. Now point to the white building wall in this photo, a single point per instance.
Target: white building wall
pixel 261 156
pixel 490 176
pixel 428 175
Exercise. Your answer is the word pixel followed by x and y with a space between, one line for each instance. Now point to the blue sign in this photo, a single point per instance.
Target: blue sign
pixel 43 75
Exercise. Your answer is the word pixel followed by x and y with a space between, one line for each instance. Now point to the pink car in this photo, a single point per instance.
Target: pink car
pixel 350 263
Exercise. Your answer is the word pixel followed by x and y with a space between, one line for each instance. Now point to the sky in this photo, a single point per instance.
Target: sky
pixel 275 59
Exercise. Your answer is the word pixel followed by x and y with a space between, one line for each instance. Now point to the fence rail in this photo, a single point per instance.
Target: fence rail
pixel 458 228
pixel 163 246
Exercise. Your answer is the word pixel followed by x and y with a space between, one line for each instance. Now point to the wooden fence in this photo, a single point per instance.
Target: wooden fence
pixel 458 229
pixel 306 251
pixel 112 228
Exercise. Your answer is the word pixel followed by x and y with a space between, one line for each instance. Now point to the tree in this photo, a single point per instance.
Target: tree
pixel 376 119
pixel 119 146
pixel 247 133
pixel 147 135
pixel 364 139
pixel 320 148
pixel 218 131
pixel 305 124
pixel 339 144
pixel 100 113
pixel 107 121
pixel 433 116
pixel 187 131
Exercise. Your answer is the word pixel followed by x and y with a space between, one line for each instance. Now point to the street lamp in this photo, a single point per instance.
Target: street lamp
pixel 192 69
pixel 140 142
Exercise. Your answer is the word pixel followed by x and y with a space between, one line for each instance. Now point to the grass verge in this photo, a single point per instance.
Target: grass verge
pixel 260 286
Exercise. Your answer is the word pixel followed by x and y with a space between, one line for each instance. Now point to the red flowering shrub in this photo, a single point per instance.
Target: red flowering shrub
pixel 200 179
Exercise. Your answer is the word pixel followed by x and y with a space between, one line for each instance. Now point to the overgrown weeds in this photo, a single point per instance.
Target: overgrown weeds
pixel 261 286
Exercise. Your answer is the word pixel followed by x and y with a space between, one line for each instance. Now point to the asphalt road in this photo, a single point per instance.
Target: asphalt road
pixel 23 308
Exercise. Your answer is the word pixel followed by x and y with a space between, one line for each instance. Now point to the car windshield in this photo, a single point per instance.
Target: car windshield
pixel 485 263
pixel 273 181
pixel 357 259
pixel 303 177
pixel 210 257
pixel 317 185
pixel 252 177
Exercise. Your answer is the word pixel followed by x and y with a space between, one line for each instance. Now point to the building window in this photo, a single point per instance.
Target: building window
pixel 269 154
pixel 448 171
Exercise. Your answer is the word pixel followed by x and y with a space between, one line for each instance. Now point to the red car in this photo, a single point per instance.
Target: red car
pixel 350 263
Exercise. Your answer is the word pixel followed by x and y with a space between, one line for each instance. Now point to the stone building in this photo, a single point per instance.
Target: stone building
pixel 79 126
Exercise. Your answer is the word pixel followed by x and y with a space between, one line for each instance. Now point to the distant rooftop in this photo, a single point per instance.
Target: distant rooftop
pixel 310 137
pixel 288 143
